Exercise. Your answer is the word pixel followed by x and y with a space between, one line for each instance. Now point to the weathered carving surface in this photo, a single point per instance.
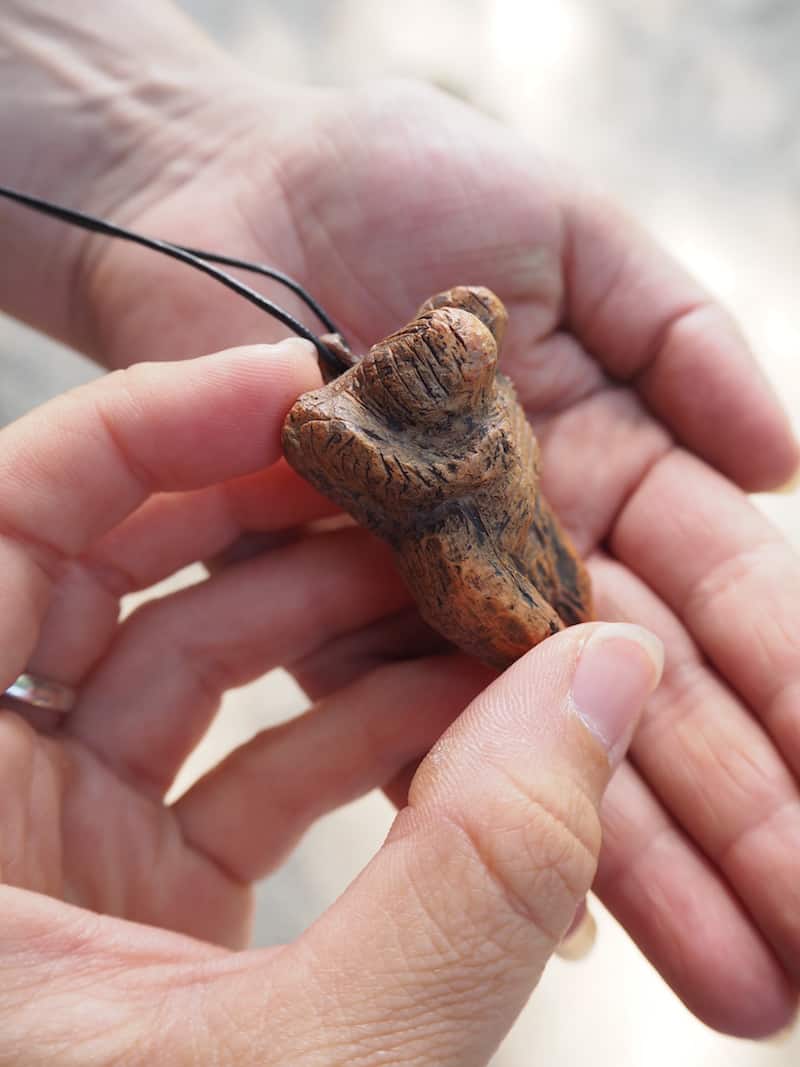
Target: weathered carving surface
pixel 425 443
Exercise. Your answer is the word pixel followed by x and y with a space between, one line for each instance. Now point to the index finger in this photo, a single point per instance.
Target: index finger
pixel 75 467
pixel 649 323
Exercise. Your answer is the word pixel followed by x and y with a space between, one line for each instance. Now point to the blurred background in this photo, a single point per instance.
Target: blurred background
pixel 687 113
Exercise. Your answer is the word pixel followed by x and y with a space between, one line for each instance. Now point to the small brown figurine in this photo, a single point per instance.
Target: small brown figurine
pixel 423 442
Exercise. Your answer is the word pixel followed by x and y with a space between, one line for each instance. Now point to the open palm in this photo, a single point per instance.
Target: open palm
pixel 649 411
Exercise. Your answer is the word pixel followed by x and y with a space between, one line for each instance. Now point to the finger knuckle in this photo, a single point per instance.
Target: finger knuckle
pixel 539 847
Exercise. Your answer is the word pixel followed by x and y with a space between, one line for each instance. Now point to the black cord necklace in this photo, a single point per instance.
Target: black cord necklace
pixel 333 362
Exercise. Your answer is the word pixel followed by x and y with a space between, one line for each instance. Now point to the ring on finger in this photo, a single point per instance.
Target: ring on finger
pixel 39 692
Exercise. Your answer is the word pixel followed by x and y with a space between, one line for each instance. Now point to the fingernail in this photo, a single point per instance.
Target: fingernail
pixel 618 668
pixel 579 939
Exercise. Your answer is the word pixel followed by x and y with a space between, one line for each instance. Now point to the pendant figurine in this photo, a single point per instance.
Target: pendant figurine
pixel 423 442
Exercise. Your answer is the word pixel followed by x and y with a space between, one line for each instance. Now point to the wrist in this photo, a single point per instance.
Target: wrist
pixel 104 112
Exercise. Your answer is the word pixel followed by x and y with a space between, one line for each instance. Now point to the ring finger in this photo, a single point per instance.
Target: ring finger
pixel 147 704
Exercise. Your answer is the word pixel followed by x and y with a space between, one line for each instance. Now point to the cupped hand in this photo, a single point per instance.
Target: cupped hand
pixel 433 951
pixel 653 420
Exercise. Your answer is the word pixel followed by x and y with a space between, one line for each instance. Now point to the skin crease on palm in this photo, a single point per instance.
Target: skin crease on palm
pixel 652 419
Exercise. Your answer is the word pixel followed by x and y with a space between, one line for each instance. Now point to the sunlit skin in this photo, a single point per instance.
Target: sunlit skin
pixel 653 421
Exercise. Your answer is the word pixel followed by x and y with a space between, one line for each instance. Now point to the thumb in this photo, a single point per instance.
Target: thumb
pixel 433 951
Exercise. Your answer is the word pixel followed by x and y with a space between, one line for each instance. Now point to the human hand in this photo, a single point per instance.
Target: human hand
pixel 433 951
pixel 650 413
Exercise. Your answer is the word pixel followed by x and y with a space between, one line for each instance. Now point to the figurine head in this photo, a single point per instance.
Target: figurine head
pixel 380 440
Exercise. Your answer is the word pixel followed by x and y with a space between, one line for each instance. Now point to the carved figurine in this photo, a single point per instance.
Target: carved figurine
pixel 424 442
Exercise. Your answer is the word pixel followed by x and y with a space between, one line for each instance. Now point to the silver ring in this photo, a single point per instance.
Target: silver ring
pixel 42 693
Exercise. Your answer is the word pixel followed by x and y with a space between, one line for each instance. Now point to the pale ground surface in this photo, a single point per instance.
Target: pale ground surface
pixel 687 113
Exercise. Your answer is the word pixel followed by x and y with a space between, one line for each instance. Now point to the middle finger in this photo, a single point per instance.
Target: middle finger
pixel 715 770
pixel 165 534
pixel 727 573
